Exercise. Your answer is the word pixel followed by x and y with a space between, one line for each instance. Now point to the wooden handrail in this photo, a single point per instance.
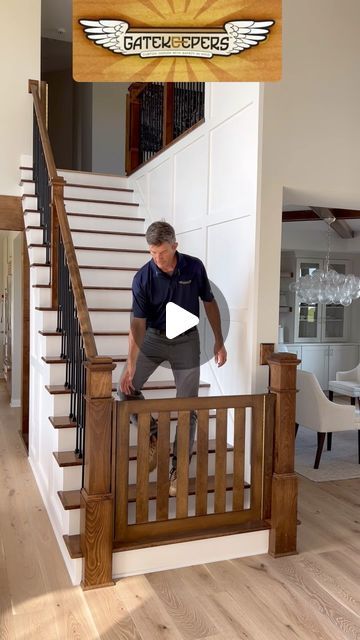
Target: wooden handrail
pixel 59 214
pixel 39 111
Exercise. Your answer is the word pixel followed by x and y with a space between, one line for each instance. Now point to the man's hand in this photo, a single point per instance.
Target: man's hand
pixel 220 354
pixel 126 385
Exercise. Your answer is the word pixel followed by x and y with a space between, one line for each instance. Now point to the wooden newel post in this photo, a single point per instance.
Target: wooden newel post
pixel 284 485
pixel 96 503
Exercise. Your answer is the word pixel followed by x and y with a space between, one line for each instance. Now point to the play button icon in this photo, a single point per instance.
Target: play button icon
pixel 178 320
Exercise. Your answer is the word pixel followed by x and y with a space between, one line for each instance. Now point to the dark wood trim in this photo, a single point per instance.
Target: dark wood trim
pixel 283 532
pixel 96 500
pixel 307 215
pixel 11 214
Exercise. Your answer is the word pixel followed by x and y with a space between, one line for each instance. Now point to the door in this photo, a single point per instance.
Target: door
pixel 335 325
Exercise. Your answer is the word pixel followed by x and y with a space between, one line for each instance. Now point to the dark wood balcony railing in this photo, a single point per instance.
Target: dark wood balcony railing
pixel 157 114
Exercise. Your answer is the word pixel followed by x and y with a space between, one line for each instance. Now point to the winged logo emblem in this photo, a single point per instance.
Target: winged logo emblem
pixel 235 37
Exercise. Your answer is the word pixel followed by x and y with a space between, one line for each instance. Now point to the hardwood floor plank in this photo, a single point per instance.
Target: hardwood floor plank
pixel 314 595
pixel 188 615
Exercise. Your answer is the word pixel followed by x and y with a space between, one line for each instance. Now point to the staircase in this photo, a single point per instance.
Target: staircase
pixel 109 239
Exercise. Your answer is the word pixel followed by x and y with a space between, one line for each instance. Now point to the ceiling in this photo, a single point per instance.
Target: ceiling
pixel 56 19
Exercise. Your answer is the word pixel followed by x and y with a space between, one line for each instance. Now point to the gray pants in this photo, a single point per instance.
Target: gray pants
pixel 183 354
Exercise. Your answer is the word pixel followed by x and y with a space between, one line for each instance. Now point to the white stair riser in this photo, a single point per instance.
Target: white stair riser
pixel 111 345
pixel 100 320
pixel 91 193
pixel 50 346
pixel 30 202
pixel 42 297
pixel 102 240
pixel 34 236
pixel 99 208
pixel 66 439
pixel 74 521
pixel 39 275
pixel 61 403
pixel 104 299
pixel 100 258
pixel 102 180
pixel 107 224
pixel 32 219
pixel 72 477
pixel 107 277
pixel 37 255
pixel 56 374
pixel 26 174
pixel 27 187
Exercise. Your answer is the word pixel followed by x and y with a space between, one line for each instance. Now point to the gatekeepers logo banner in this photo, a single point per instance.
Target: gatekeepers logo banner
pixel 176 40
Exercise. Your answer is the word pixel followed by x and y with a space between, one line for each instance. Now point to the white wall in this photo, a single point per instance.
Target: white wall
pixel 108 127
pixel 206 186
pixel 311 133
pixel 19 61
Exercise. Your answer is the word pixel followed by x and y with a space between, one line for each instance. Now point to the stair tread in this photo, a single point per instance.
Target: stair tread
pixel 58 360
pixel 74 548
pixel 82 186
pixel 62 422
pixel 57 389
pixel 106 217
pixel 71 499
pixel 93 200
pixel 96 333
pixel 92 309
pixel 109 233
pixel 67 459
pixel 43 245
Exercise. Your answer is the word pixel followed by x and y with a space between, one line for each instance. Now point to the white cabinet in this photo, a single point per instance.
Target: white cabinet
pixel 342 357
pixel 316 322
pixel 324 360
pixel 315 358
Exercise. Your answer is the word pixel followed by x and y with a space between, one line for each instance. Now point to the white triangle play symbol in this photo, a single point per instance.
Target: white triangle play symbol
pixel 178 320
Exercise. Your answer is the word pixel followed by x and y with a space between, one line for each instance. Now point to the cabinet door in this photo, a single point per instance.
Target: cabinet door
pixel 315 358
pixel 335 325
pixel 342 358
pixel 307 315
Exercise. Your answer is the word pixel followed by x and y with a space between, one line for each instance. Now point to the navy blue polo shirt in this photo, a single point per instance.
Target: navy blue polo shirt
pixel 152 289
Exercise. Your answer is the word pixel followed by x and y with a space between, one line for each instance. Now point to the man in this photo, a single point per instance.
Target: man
pixel 168 277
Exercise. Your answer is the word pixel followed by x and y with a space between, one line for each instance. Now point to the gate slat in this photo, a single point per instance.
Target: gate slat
pixel 202 462
pixel 122 470
pixel 142 471
pixel 162 489
pixel 183 435
pixel 257 444
pixel 238 464
pixel 220 461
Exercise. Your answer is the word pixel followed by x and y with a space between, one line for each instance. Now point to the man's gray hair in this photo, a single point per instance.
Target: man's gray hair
pixel 160 232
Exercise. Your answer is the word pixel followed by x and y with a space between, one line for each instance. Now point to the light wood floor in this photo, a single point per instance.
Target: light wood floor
pixel 314 595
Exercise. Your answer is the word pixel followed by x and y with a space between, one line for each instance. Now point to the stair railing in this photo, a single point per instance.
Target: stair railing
pixel 157 113
pixel 88 375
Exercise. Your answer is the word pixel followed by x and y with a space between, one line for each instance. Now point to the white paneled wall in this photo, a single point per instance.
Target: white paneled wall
pixel 206 186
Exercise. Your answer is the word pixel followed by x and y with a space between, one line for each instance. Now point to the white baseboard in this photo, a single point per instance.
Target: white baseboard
pixel 186 554
pixel 15 403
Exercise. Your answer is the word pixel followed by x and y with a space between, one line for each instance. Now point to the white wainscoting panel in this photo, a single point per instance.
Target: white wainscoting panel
pixel 233 165
pixel 191 176
pixel 224 95
pixel 161 190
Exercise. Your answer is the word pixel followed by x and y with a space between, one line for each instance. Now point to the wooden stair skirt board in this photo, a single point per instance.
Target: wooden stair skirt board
pixel 74 549
pixel 71 499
